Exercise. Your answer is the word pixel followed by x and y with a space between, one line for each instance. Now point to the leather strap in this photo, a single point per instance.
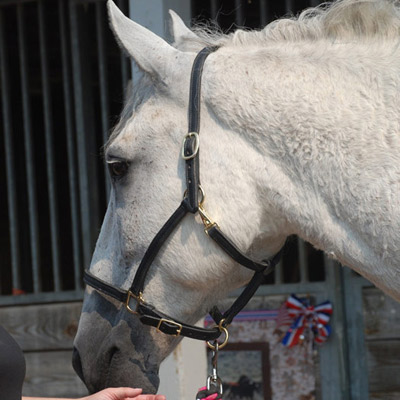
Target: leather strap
pixel 231 249
pixel 155 246
pixel 193 164
pixel 105 287
pixel 248 292
pixel 150 316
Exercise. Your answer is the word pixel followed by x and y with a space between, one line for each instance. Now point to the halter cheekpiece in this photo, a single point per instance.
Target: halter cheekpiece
pixel 192 202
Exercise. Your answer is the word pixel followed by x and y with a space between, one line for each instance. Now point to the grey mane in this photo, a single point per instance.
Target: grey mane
pixel 337 21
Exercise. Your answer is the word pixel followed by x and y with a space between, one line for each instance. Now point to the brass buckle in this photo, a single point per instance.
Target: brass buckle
pixel 178 326
pixel 196 145
pixel 139 299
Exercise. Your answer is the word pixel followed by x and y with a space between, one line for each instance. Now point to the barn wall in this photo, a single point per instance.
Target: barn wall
pixel 45 333
pixel 382 333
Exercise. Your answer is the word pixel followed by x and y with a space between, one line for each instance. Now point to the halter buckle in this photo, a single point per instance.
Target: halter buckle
pixel 139 300
pixel 196 145
pixel 178 326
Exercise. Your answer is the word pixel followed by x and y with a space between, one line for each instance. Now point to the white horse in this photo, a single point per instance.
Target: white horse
pixel 299 135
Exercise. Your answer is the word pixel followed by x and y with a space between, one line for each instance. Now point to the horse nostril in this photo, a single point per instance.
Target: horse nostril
pixel 77 364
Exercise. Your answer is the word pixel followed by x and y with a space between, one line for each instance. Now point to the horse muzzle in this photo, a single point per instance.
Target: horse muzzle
pixel 118 373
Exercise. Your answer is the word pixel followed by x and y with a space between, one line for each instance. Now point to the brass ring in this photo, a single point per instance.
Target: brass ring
pixel 224 343
pixel 203 195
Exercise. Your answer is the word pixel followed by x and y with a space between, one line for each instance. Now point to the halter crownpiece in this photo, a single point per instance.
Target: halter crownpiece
pixel 191 203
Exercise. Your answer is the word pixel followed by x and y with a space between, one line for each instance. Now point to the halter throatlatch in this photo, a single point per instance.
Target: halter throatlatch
pixel 192 203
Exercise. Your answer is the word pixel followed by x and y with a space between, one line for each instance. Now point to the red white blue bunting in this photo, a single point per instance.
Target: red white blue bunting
pixel 307 319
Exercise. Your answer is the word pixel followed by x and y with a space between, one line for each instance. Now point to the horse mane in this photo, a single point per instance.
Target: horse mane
pixel 342 20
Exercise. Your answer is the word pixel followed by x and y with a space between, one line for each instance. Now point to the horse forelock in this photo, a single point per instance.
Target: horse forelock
pixel 337 21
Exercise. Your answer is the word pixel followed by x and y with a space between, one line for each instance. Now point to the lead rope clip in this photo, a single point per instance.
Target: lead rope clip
pixel 214 388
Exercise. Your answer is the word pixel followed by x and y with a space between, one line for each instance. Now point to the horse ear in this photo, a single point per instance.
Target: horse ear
pixel 179 31
pixel 151 53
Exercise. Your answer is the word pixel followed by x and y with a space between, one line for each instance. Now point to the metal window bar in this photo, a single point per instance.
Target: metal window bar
pixel 72 165
pixel 289 6
pixel 278 277
pixel 239 13
pixel 214 9
pixel 103 80
pixel 263 13
pixel 82 129
pixel 50 164
pixel 303 262
pixel 10 163
pixel 29 154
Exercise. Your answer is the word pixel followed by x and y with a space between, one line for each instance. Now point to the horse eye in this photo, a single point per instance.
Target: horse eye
pixel 118 169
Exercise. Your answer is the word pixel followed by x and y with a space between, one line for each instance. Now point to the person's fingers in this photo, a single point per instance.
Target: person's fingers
pixel 123 393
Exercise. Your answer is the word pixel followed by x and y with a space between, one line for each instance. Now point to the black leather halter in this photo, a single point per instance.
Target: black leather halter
pixel 192 203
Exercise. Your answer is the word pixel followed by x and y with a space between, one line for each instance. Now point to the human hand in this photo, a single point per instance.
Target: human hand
pixel 123 394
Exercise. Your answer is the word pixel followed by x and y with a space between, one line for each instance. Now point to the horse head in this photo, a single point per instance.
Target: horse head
pixel 143 154
pixel 287 147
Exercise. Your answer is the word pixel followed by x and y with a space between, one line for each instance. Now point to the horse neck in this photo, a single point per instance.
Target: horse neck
pixel 327 127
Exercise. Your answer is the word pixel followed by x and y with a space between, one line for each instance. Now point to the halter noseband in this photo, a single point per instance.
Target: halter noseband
pixel 133 298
